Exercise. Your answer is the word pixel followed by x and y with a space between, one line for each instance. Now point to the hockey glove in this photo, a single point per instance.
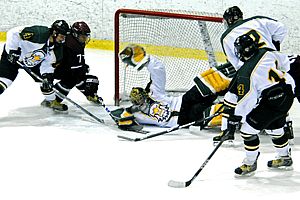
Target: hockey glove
pixel 14 55
pixel 47 83
pixel 228 134
pixel 124 119
pixel 86 67
pixel 232 123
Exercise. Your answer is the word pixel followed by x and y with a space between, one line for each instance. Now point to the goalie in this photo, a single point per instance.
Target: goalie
pixel 163 112
pixel 136 56
pixel 208 85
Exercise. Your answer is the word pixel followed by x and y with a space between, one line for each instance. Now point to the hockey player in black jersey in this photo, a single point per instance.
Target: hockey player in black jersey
pixel 38 47
pixel 73 70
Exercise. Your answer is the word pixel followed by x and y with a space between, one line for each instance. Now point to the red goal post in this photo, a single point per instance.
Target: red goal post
pixel 187 43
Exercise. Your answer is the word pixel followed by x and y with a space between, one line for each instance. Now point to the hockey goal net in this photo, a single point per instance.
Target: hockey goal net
pixel 187 43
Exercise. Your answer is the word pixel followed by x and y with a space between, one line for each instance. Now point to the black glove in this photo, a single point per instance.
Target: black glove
pixel 14 55
pixel 87 68
pixel 232 123
pixel 47 83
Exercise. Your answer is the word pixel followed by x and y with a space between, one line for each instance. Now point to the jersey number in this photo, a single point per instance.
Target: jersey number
pixel 254 35
pixel 80 56
pixel 274 77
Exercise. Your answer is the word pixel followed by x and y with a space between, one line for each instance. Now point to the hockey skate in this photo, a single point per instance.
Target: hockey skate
pixel 95 99
pixel 281 162
pixel 247 169
pixel 55 105
pixel 46 103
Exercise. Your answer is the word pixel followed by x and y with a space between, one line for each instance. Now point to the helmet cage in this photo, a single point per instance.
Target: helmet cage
pixel 138 96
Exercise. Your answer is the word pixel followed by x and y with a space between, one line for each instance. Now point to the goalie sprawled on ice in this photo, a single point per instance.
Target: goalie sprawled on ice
pixel 156 108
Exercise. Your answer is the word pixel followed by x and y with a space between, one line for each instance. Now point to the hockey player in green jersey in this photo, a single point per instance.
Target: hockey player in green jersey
pixel 38 47
pixel 266 31
pixel 260 96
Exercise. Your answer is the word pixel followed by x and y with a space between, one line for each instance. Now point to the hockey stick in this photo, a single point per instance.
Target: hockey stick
pixel 209 120
pixel 115 119
pixel 180 184
pixel 169 130
pixel 34 75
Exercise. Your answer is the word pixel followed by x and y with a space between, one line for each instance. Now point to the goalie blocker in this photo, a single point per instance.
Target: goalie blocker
pixel 125 120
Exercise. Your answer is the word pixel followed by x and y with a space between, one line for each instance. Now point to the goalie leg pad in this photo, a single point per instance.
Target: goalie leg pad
pixel 216 121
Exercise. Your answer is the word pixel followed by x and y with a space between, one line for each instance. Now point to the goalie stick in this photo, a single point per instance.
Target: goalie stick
pixel 180 184
pixel 169 130
pixel 35 76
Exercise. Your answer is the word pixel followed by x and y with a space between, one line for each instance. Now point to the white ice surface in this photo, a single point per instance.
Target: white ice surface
pixel 49 156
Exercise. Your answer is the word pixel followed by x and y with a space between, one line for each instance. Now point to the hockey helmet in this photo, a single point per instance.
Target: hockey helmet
pixel 60 27
pixel 81 31
pixel 245 47
pixel 134 55
pixel 138 96
pixel 231 15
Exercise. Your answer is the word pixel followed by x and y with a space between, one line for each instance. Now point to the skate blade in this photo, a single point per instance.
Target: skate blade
pixel 249 174
pixel 227 143
pixel 60 111
pixel 282 168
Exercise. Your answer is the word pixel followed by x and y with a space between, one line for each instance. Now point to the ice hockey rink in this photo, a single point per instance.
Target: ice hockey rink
pixel 46 155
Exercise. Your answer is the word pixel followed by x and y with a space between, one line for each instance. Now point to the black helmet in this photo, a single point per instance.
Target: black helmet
pixel 245 47
pixel 231 15
pixel 81 29
pixel 60 27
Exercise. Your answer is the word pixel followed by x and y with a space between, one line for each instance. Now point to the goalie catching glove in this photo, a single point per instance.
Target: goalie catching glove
pixel 125 120
pixel 134 55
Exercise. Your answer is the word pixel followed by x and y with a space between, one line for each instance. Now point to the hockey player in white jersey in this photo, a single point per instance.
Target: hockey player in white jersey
pixel 35 46
pixel 267 32
pixel 136 56
pixel 259 96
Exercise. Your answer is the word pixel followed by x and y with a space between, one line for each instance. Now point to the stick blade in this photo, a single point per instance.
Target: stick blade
pixel 126 138
pixel 129 139
pixel 177 184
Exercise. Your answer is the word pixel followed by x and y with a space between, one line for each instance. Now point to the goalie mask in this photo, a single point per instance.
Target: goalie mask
pixel 245 47
pixel 138 96
pixel 134 55
pixel 231 15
